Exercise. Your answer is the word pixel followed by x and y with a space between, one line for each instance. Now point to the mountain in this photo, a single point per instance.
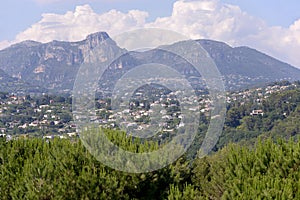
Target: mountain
pixel 51 65
pixel 34 66
pixel 244 66
pixel 14 85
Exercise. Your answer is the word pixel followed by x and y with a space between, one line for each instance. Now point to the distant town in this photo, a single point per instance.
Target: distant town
pixel 51 116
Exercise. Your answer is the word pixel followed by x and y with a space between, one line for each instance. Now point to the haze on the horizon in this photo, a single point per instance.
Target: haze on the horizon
pixel 269 26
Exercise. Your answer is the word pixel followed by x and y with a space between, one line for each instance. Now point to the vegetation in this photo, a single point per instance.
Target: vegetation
pixel 35 115
pixel 62 169
pixel 257 156
pixel 280 118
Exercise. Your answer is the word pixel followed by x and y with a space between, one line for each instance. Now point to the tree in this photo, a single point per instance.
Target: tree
pixel 233 118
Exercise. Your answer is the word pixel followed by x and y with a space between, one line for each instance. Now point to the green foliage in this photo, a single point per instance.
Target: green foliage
pixel 64 169
pixel 187 193
pixel 287 128
pixel 271 171
pixel 281 118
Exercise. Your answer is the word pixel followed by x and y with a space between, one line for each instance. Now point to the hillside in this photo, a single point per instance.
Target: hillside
pixel 261 165
pixel 54 65
pixel 244 66
pixel 14 85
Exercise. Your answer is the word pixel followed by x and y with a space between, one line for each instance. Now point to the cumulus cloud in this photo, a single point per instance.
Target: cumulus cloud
pixel 209 19
pixel 4 44
pixel 74 26
pixel 279 42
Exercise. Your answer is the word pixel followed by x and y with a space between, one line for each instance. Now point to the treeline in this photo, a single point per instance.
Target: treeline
pixel 64 169
pixel 280 119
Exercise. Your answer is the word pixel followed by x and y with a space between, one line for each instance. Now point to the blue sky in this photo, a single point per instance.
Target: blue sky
pixel 274 12
pixel 263 24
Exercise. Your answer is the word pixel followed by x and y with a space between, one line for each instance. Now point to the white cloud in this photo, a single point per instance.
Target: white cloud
pixel 210 19
pixel 196 19
pixel 74 26
pixel 4 44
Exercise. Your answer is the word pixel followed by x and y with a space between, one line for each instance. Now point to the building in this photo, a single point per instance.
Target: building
pixel 257 112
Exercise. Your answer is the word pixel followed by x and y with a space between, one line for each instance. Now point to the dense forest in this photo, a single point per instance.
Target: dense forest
pixel 63 169
pixel 257 157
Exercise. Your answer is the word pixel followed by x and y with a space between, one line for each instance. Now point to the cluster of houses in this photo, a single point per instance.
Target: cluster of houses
pixel 236 81
pixel 163 111
pixel 47 118
pixel 21 116
pixel 257 95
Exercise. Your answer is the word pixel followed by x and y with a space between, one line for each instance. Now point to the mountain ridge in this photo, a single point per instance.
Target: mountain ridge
pixel 54 65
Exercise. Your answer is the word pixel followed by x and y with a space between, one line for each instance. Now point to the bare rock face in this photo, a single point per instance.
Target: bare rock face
pixel 53 66
pixel 95 39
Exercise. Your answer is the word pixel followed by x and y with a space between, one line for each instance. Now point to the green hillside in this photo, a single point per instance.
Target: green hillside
pixel 257 157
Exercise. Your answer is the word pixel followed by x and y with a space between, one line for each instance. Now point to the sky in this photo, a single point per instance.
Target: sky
pixel 269 26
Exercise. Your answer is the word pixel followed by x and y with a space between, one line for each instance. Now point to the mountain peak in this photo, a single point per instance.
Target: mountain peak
pixel 95 39
pixel 214 44
pixel 54 65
